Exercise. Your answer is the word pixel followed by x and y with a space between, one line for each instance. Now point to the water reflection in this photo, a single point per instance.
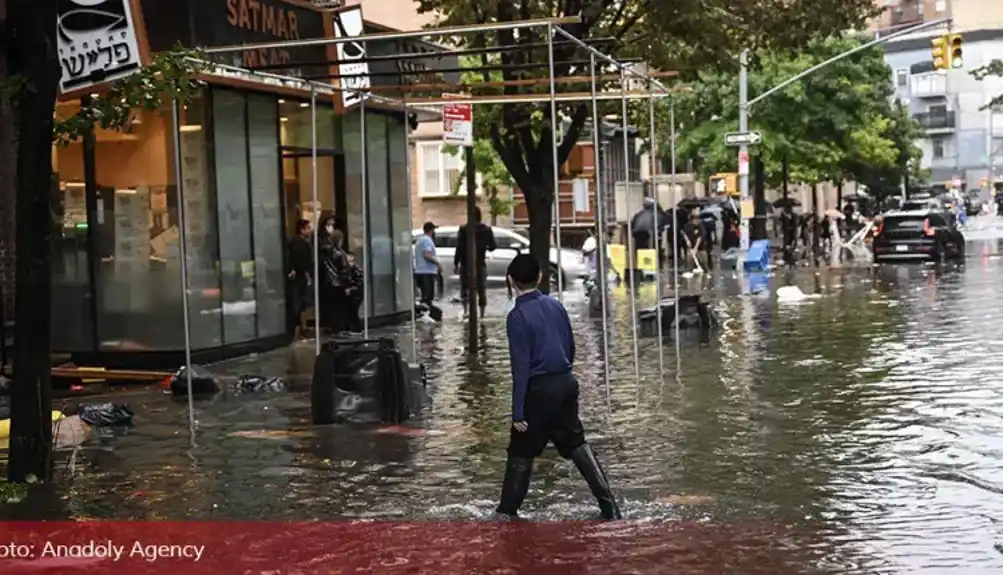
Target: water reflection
pixel 866 420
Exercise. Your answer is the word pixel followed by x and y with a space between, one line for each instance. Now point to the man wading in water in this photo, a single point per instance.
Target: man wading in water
pixel 544 392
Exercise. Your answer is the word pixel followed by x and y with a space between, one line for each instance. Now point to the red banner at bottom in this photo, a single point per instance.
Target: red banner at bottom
pixel 388 548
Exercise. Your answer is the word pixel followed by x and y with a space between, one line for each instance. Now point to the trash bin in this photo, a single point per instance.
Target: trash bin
pixel 365 381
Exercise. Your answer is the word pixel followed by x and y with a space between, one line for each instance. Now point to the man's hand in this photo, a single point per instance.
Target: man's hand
pixel 456 270
pixel 520 426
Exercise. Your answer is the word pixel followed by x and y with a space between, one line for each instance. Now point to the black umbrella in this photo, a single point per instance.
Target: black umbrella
pixel 784 202
pixel 691 202
pixel 643 221
pixel 855 197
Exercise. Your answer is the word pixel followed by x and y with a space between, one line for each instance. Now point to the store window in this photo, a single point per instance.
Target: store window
pixel 72 314
pixel 352 142
pixel 401 213
pixel 202 245
pixel 381 259
pixel 234 214
pixel 266 215
pixel 117 268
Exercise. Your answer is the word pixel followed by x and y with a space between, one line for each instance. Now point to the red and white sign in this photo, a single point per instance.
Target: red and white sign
pixel 743 163
pixel 458 124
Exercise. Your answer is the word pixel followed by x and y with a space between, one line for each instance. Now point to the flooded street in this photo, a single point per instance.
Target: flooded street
pixel 858 431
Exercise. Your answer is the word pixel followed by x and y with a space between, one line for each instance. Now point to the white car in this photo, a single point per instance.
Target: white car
pixel 509 245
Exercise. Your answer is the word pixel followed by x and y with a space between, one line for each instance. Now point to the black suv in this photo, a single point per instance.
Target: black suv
pixel 918 235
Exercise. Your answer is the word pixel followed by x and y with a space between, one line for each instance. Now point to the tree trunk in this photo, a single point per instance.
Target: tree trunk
pixel 33 55
pixel 540 220
pixel 8 187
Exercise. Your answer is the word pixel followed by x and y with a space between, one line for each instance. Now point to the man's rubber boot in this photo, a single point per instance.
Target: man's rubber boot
pixel 516 485
pixel 587 464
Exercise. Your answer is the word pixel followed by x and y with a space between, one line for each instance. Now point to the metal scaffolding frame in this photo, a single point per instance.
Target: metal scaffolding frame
pixel 655 89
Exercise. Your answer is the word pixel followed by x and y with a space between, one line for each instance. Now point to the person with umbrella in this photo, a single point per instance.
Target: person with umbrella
pixel 730 237
pixel 646 223
pixel 708 222
pixel 789 228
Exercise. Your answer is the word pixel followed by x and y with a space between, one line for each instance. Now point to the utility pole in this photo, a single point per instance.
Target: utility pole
pixel 743 148
pixel 471 263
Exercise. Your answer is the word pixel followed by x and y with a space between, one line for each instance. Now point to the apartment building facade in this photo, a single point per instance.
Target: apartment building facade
pixel 963 143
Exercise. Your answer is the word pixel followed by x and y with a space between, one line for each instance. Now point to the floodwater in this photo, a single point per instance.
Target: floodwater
pixel 855 432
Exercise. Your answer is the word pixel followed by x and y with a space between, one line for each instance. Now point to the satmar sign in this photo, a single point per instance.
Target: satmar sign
pixel 458 124
pixel 235 22
pixel 353 70
pixel 97 41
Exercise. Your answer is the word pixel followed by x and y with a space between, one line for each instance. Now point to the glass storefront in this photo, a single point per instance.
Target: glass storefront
pixel 391 288
pixel 246 174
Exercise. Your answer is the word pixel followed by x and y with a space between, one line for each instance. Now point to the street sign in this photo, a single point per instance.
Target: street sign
pixel 742 138
pixel 458 124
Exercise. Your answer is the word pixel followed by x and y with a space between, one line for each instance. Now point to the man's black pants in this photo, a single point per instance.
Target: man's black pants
pixel 482 285
pixel 551 412
pixel 426 287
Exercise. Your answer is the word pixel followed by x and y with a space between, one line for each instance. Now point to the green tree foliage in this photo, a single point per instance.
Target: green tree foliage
pixel 683 34
pixel 994 68
pixel 837 123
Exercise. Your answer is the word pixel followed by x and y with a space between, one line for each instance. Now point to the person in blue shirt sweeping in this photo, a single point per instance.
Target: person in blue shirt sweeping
pixel 544 392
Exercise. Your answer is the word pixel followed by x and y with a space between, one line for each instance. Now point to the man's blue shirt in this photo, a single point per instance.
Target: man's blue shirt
pixel 424 245
pixel 540 342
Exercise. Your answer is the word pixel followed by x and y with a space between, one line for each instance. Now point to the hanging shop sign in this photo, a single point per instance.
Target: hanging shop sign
pixel 232 22
pixel 97 42
pixel 353 69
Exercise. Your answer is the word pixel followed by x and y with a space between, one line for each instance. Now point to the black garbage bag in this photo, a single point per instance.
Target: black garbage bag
pixel 693 314
pixel 259 384
pixel 203 382
pixel 105 414
pixel 365 381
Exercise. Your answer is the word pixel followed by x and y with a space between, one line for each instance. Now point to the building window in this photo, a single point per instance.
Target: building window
pixel 939 148
pixel 440 170
pixel 902 78
pixel 941 5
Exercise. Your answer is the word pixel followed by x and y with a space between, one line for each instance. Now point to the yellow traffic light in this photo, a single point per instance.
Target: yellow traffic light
pixel 941 57
pixel 957 59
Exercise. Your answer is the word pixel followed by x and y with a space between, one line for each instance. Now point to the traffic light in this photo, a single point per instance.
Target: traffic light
pixel 957 59
pixel 941 57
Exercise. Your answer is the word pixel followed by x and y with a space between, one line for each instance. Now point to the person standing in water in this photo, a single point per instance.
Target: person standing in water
pixel 544 392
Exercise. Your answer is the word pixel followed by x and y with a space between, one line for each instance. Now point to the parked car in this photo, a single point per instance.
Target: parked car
pixel 926 234
pixel 509 245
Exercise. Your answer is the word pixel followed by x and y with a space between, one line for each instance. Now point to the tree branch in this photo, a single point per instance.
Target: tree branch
pixel 513 162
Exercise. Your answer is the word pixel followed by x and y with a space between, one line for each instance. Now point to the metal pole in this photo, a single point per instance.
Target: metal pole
pixel 366 240
pixel 658 229
pixel 553 151
pixel 602 281
pixel 410 226
pixel 630 231
pixel 183 253
pixel 592 51
pixel 316 222
pixel 530 99
pixel 675 220
pixel 424 33
pixel 815 68
pixel 743 150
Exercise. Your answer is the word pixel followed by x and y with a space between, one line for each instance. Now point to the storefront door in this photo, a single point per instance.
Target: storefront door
pixel 297 184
